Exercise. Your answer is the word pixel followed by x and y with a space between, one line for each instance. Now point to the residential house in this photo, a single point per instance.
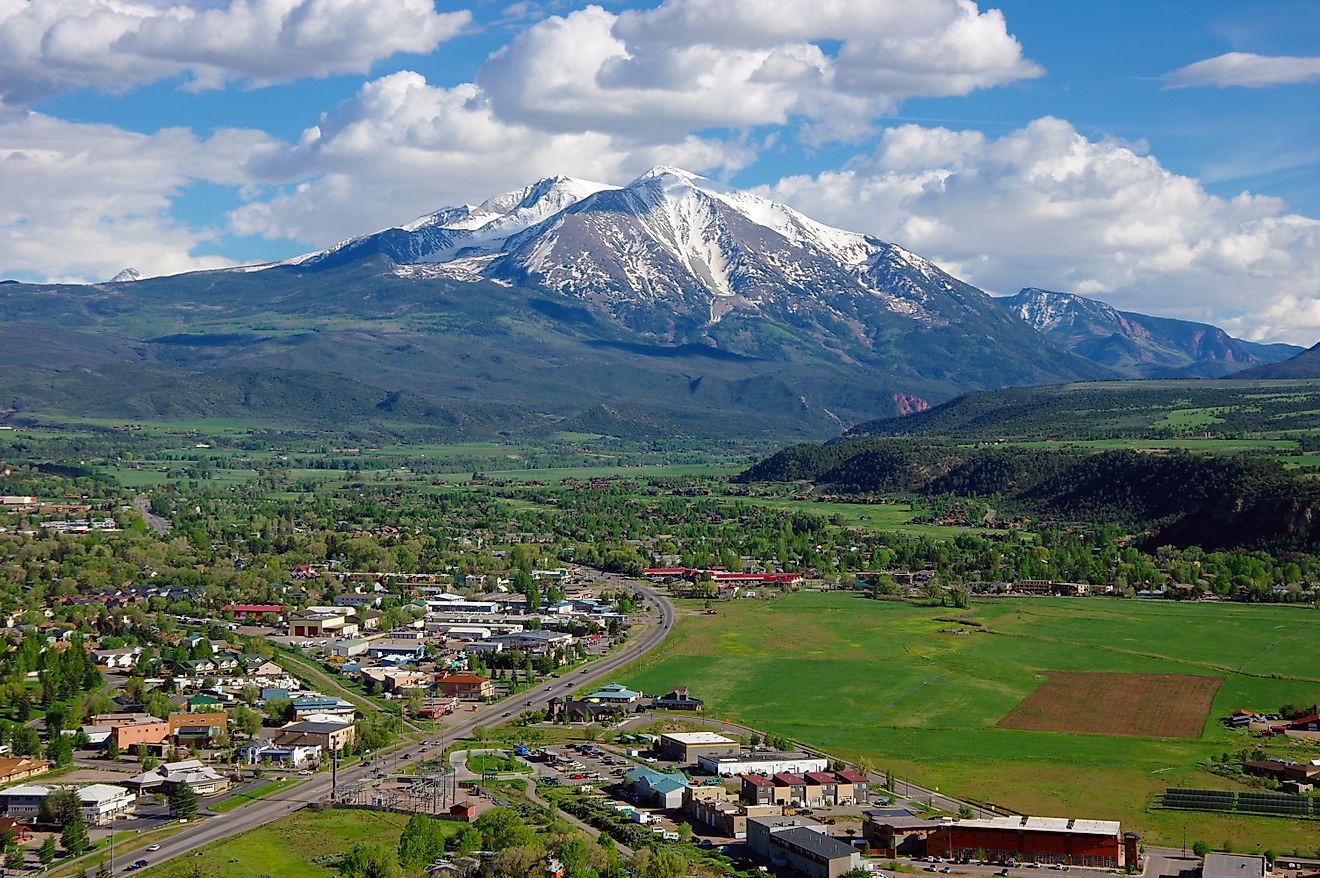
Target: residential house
pixel 677 699
pixel 117 659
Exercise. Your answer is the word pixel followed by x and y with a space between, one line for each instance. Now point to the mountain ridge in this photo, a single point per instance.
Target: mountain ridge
pixel 671 305
pixel 1139 345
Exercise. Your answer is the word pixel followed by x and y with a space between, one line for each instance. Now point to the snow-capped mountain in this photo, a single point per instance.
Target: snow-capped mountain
pixel 1138 344
pixel 675 256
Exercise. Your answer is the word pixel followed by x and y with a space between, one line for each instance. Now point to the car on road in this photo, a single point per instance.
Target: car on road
pixel 1002 873
pixel 152 848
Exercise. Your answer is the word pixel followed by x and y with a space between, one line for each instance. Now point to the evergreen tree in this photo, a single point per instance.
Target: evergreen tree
pixel 74 836
pixel 183 801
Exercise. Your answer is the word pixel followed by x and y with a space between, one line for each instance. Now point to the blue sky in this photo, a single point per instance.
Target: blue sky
pixel 1103 148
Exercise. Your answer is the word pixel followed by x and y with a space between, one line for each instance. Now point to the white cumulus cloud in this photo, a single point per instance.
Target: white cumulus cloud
pixel 50 46
pixel 1045 206
pixel 1246 70
pixel 83 201
pixel 401 147
pixel 693 64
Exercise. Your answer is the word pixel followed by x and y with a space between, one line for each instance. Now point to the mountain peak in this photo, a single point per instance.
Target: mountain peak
pixel 661 171
pixel 1137 344
pixel 126 276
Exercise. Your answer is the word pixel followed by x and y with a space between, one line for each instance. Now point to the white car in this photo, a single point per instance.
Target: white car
pixel 152 848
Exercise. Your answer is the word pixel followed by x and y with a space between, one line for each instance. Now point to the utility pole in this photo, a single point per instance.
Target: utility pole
pixel 334 774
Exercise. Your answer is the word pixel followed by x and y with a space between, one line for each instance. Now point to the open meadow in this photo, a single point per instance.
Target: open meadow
pixel 917 691
pixel 287 847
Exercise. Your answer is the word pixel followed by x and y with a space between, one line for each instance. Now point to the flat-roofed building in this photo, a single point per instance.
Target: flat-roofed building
pixel 765 762
pixel 1233 866
pixel 1096 843
pixel 688 747
pixel 800 845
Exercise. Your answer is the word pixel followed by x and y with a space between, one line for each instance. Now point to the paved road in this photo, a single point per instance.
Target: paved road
pixel 154 521
pixel 659 610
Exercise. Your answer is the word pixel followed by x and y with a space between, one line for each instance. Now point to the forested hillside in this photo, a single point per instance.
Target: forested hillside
pixel 1214 501
pixel 1116 409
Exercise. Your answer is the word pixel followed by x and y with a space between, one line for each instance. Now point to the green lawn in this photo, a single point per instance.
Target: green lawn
pixel 285 848
pixel 493 763
pixel 878 516
pixel 891 682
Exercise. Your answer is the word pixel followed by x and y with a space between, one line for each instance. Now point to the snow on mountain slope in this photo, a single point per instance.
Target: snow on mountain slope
pixel 1138 344
pixel 674 259
pixel 462 232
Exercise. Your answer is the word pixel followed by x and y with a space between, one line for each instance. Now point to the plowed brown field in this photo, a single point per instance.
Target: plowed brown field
pixel 1131 705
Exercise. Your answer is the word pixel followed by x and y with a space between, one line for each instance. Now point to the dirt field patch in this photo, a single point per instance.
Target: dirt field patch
pixel 1131 705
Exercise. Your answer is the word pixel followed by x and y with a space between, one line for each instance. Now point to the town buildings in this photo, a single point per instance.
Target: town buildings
pixel 686 747
pixel 801 845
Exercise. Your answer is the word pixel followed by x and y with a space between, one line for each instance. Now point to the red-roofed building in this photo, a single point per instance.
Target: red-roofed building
pixel 757 789
pixel 253 611
pixel 789 788
pixel 465 685
pixel 822 788
pixel 852 787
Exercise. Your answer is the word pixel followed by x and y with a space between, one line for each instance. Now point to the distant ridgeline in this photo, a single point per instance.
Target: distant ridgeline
pixel 1212 501
pixel 1120 410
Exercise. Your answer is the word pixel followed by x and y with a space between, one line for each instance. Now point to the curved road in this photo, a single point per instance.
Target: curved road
pixel 660 615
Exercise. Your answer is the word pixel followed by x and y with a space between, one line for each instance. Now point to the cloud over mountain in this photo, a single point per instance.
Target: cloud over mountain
pixel 52 46
pixel 1098 217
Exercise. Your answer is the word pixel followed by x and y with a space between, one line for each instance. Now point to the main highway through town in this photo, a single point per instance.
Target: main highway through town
pixel 659 613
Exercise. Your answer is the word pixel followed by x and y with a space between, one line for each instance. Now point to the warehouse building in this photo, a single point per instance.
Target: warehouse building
pixel 688 747
pixel 1049 840
pixel 765 762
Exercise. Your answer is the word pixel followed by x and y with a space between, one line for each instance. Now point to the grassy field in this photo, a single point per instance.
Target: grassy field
pixel 286 847
pixel 877 516
pixel 923 697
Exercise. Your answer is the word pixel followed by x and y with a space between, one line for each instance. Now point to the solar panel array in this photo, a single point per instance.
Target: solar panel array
pixel 1278 804
pixel 1275 803
pixel 1200 800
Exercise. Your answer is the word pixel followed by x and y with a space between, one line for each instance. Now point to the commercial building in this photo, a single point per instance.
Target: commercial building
pixel 800 845
pixel 762 762
pixel 898 832
pixel 1233 866
pixel 14 768
pixel 1097 843
pixel 715 807
pixel 657 788
pixel 398 648
pixel 266 753
pixel 328 736
pixel 99 803
pixel 614 693
pixel 204 780
pixel 465 685
pixel 687 747
pixel 322 622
